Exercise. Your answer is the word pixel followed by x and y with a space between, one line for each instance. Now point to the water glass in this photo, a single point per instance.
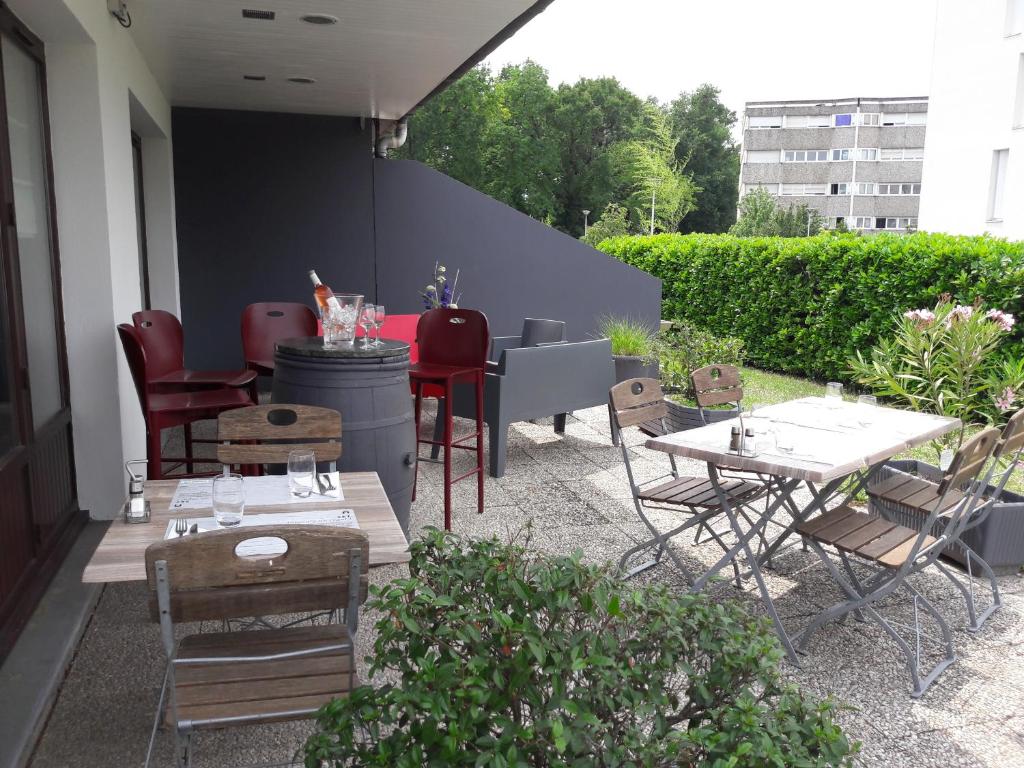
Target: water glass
pixel 758 419
pixel 866 405
pixel 366 319
pixel 228 499
pixel 301 466
pixel 834 393
pixel 379 316
pixel 784 442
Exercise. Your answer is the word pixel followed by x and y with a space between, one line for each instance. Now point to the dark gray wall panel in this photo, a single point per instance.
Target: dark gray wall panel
pixel 511 265
pixel 261 199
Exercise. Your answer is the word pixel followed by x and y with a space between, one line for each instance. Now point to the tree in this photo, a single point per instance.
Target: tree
pixel 760 215
pixel 798 221
pixel 702 127
pixel 613 223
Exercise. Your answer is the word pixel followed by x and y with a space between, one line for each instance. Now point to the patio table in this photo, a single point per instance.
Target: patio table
pixel 121 555
pixel 837 447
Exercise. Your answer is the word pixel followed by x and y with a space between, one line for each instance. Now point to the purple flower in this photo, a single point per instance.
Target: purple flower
pixel 1005 402
pixel 1004 320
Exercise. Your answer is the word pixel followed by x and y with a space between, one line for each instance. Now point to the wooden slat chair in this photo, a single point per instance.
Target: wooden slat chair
pixel 632 403
pixel 914 498
pixel 251 677
pixel 894 552
pixel 266 434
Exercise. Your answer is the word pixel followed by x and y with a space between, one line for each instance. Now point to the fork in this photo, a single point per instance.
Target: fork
pixel 326 479
pixel 180 526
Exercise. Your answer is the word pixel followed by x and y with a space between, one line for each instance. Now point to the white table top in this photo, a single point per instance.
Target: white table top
pixel 829 439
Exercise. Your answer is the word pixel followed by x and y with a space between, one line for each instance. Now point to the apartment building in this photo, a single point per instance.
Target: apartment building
pixel 856 161
pixel 974 174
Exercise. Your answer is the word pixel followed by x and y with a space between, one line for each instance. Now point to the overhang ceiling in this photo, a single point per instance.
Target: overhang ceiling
pixel 380 59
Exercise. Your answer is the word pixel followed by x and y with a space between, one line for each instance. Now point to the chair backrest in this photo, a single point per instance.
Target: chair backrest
pixel 717 385
pixel 969 460
pixel 267 322
pixel 207 579
pixel 1011 443
pixel 635 401
pixel 536 331
pixel 163 339
pixel 453 337
pixel 135 352
pixel 266 434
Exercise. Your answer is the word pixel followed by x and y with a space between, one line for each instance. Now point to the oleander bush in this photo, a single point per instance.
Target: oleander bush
pixel 497 656
pixel 806 305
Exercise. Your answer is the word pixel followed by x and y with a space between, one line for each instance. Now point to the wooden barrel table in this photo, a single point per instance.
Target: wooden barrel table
pixel 370 387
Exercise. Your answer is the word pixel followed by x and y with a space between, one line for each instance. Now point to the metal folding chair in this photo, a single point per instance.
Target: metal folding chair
pixel 219 679
pixel 903 498
pixel 895 552
pixel 634 402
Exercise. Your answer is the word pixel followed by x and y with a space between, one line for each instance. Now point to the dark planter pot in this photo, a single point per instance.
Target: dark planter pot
pixel 632 367
pixel 999 540
pixel 683 417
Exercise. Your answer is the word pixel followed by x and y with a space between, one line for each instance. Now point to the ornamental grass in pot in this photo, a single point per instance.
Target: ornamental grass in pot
pixel 634 347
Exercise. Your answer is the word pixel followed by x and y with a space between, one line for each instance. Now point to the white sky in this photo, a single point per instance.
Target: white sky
pixel 751 50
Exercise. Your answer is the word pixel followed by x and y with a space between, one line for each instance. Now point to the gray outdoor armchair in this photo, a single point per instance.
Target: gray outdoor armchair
pixel 534 382
pixel 535 332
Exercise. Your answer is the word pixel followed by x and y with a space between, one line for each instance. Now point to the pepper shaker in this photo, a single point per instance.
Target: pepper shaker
pixel 735 440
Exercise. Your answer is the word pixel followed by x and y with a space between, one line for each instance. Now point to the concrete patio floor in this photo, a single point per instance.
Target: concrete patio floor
pixel 573 488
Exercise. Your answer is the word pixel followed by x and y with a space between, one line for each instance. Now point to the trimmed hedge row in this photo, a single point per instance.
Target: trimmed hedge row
pixel 804 305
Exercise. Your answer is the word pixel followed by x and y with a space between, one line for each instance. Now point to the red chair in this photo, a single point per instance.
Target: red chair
pixel 172 409
pixel 265 322
pixel 164 342
pixel 453 346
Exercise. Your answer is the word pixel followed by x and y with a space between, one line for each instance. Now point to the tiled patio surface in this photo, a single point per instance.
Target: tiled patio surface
pixel 574 489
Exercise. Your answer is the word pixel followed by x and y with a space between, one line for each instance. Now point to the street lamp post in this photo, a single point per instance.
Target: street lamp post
pixel 586 213
pixel 654 193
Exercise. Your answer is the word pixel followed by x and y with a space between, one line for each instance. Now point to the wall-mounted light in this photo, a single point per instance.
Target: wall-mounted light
pixel 119 10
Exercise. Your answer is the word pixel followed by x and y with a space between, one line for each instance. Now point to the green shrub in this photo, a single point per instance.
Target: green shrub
pixel 629 337
pixel 805 305
pixel 498 657
pixel 684 348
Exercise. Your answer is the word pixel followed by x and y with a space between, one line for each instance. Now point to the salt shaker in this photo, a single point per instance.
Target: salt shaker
pixel 748 442
pixel 136 509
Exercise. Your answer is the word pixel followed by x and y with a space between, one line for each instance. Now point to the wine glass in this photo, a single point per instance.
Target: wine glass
pixel 366 317
pixel 301 466
pixel 228 499
pixel 379 316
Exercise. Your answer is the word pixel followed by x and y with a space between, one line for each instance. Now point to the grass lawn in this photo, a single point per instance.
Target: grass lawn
pixel 765 387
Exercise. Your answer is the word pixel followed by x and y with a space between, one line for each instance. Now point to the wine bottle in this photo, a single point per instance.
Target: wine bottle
pixel 322 293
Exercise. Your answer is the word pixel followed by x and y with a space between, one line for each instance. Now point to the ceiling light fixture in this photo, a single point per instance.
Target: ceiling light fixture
pixel 257 78
pixel 254 13
pixel 302 80
pixel 320 19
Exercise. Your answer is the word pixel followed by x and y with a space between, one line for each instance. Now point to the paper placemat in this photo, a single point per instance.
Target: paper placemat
pixel 266 491
pixel 268 545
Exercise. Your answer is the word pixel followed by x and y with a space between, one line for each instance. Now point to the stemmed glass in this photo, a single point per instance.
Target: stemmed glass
pixel 379 316
pixel 366 318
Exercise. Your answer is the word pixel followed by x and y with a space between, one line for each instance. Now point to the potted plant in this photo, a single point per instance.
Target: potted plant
pixel 493 655
pixel 633 347
pixel 948 361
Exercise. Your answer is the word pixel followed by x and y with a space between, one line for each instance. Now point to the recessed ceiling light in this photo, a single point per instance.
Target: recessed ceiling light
pixel 302 80
pixel 258 78
pixel 258 13
pixel 323 19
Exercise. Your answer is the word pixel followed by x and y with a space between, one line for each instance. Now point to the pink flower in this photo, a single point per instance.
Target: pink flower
pixel 1004 320
pixel 1005 402
pixel 922 317
pixel 960 312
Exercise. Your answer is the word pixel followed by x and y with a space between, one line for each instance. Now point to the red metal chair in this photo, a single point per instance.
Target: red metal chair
pixel 453 346
pixel 164 342
pixel 265 322
pixel 172 409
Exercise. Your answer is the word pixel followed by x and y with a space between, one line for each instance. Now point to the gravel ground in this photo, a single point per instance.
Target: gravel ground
pixel 574 489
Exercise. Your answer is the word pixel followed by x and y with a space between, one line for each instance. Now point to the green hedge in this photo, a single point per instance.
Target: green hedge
pixel 804 305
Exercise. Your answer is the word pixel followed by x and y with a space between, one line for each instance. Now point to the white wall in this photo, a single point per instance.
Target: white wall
pixel 970 114
pixel 98 86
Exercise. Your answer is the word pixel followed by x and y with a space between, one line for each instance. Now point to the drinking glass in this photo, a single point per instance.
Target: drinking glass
pixel 379 316
pixel 366 318
pixel 866 409
pixel 784 442
pixel 228 499
pixel 834 393
pixel 301 466
pixel 758 419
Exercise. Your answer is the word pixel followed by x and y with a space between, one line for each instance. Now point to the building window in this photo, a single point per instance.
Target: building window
pixel 914 153
pixel 865 187
pixel 807 121
pixel 803 189
pixel 868 118
pixel 763 156
pixel 842 188
pixel 772 189
pixel 764 121
pixel 842 120
pixel 894 222
pixel 862 222
pixel 867 154
pixel 805 156
pixel 1014 17
pixel 840 154
pixel 1018 107
pixel 904 118
pixel 903 188
pixel 997 184
pixel 838 220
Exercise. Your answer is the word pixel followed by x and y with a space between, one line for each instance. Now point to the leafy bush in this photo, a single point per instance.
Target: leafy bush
pixel 946 361
pixel 760 214
pixel 684 348
pixel 629 337
pixel 806 305
pixel 503 658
